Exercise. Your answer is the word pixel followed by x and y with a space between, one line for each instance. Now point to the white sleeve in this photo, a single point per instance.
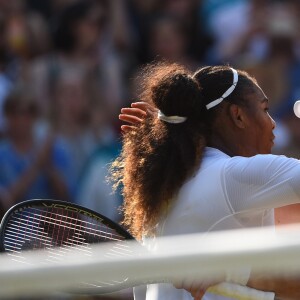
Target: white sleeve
pixel 261 182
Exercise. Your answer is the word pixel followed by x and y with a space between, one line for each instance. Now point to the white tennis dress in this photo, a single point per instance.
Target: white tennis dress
pixel 227 193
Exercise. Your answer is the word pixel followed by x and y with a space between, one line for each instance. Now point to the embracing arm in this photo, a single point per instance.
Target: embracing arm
pixel 285 287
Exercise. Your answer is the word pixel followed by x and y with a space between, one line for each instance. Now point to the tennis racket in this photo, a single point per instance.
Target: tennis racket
pixel 58 227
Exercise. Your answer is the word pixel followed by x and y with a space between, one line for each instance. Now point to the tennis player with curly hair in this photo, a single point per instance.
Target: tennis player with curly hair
pixel 197 151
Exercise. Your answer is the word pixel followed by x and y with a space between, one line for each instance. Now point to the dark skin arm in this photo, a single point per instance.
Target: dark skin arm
pixel 285 286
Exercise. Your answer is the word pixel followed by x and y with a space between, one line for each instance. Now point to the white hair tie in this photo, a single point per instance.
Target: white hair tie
pixel 171 119
pixel 227 93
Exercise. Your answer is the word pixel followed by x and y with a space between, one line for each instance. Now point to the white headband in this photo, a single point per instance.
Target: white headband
pixel 227 93
pixel 171 119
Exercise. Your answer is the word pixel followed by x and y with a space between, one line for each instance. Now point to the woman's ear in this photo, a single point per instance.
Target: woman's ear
pixel 237 116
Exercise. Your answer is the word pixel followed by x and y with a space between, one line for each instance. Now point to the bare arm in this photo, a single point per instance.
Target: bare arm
pixel 285 287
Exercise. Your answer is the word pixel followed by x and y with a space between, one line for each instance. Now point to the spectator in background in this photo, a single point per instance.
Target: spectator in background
pixel 6 78
pixel 31 166
pixel 235 26
pixel 80 85
pixel 94 191
pixel 139 15
pixel 178 18
pixel 278 70
pixel 168 40
pixel 23 36
pixel 197 42
pixel 78 117
pixel 79 120
pixel 26 32
pixel 80 39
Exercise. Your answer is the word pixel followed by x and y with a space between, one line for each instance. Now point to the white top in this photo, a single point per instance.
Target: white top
pixel 228 193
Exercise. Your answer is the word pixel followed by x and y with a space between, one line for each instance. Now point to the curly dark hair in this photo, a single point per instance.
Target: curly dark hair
pixel 158 157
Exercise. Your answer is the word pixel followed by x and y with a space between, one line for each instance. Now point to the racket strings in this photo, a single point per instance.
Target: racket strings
pixel 84 226
pixel 39 233
pixel 37 239
pixel 41 228
pixel 40 238
pixel 79 218
pixel 60 232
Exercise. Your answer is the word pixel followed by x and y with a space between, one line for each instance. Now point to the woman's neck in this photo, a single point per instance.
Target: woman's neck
pixel 227 143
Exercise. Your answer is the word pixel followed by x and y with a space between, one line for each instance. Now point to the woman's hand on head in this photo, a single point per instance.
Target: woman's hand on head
pixel 135 114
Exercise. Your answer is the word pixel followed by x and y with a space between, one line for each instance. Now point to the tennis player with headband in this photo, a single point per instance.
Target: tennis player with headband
pixel 196 150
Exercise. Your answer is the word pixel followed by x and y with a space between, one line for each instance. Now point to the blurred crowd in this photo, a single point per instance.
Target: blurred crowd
pixel 68 66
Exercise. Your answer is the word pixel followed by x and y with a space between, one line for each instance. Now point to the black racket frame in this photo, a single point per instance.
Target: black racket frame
pixel 59 204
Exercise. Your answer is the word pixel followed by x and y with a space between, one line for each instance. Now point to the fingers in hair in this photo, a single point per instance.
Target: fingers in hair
pixel 139 113
pixel 146 107
pixel 130 119
pixel 127 128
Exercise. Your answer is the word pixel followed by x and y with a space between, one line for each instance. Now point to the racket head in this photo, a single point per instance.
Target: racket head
pixel 58 226
pixel 56 216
